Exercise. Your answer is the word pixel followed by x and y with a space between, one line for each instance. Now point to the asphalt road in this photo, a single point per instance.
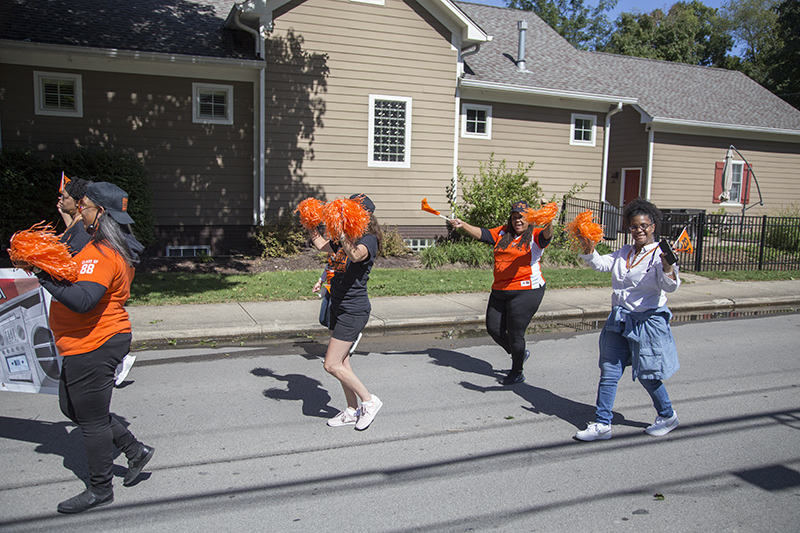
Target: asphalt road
pixel 241 441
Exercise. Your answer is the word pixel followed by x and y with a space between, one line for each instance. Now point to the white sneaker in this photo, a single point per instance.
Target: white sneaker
pixel 353 347
pixel 662 425
pixel 344 418
pixel 123 368
pixel 595 432
pixel 367 412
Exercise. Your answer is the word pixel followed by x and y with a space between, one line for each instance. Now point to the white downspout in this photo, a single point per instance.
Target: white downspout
pixel 650 139
pixel 260 214
pixel 606 142
pixel 462 54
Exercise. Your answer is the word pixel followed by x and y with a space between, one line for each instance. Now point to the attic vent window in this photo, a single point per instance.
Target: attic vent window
pixel 58 94
pixel 582 130
pixel 390 131
pixel 212 104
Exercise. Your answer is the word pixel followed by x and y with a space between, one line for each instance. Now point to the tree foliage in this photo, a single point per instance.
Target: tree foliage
pixel 784 58
pixel 584 27
pixel 690 32
pixel 752 23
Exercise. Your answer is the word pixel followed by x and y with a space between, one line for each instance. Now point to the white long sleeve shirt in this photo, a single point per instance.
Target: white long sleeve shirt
pixel 641 287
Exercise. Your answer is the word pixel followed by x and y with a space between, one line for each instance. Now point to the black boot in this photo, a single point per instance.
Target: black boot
pixel 85 501
pixel 135 465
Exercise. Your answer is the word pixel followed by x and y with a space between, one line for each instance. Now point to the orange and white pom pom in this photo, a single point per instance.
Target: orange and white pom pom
pixel 310 212
pixel 584 226
pixel 542 216
pixel 40 247
pixel 345 216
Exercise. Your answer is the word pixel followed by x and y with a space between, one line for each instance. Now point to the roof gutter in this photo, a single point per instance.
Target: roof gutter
pixel 606 141
pixel 541 91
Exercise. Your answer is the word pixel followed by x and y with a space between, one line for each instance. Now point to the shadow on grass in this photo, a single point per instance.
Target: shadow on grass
pixel 162 287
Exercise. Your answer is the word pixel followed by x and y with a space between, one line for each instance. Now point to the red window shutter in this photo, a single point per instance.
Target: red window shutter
pixel 746 183
pixel 718 166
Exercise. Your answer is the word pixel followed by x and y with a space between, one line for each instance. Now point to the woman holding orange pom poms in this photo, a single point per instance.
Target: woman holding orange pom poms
pixel 637 331
pixel 93 333
pixel 355 250
pixel 518 286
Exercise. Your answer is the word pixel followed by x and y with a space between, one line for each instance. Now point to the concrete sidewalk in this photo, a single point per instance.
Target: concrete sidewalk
pixel 231 320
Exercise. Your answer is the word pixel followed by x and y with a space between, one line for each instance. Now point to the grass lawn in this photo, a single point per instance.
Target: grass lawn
pixel 192 288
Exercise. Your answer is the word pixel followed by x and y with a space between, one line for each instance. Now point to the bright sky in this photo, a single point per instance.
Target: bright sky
pixel 623 6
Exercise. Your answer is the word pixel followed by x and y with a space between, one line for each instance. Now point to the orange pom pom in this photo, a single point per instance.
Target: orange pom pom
pixel 40 247
pixel 542 216
pixel 583 226
pixel 345 216
pixel 310 212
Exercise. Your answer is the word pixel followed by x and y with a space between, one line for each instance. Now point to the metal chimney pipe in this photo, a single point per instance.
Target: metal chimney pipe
pixel 522 26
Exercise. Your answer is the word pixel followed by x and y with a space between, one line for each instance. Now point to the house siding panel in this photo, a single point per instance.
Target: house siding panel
pixel 200 174
pixel 683 172
pixel 317 126
pixel 541 135
pixel 627 149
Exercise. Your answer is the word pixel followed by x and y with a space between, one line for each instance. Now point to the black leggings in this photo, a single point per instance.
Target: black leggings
pixel 507 317
pixel 84 395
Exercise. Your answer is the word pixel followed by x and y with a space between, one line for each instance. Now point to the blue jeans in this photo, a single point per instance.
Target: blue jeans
pixel 615 355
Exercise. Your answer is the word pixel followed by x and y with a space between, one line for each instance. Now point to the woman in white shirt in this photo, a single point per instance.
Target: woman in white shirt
pixel 637 331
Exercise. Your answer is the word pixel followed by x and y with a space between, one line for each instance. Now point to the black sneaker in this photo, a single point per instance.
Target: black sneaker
pixel 85 501
pixel 135 465
pixel 515 376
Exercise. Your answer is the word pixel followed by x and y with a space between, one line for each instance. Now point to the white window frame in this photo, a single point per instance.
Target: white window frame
pixel 476 107
pixel 406 163
pixel 376 2
pixel 197 119
pixel 736 201
pixel 38 89
pixel 577 116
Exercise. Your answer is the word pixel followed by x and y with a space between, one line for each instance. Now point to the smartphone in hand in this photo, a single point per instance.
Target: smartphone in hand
pixel 667 249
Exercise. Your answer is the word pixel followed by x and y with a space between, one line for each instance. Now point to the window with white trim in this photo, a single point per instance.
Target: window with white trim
pixel 58 94
pixel 582 130
pixel 476 121
pixel 389 131
pixel 737 171
pixel 212 104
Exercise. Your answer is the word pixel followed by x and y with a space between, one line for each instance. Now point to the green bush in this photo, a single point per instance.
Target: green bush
pixel 29 193
pixel 30 185
pixel 280 236
pixel 393 244
pixel 467 251
pixel 487 198
pixel 784 233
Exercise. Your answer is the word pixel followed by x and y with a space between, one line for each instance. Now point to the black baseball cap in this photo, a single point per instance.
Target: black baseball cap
pixel 365 201
pixel 520 207
pixel 111 198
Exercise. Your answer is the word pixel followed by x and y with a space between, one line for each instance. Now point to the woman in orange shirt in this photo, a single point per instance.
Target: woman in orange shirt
pixel 518 286
pixel 93 333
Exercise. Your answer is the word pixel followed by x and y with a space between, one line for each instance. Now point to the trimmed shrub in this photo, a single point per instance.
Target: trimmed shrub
pixel 280 236
pixel 783 232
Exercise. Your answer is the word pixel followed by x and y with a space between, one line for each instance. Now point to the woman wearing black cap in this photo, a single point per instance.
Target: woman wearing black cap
pixel 518 285
pixel 349 313
pixel 93 333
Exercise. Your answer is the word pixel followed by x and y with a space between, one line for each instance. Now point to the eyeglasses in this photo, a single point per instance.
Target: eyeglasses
pixel 640 227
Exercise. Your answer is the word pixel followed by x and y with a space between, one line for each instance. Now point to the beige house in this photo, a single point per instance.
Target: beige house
pixel 240 111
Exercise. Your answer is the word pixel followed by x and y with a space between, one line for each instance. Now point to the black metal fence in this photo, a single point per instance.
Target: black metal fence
pixel 721 242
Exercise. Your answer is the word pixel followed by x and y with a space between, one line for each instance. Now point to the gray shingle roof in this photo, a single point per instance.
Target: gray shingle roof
pixel 174 27
pixel 665 90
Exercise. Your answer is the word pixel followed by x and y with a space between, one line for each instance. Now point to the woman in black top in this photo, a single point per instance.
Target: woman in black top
pixel 349 313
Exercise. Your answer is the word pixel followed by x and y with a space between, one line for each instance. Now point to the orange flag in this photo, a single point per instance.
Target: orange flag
pixel 427 208
pixel 64 181
pixel 684 244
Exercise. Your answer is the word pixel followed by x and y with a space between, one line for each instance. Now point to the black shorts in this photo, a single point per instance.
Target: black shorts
pixel 346 326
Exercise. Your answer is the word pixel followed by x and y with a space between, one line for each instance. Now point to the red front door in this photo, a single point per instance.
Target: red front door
pixel 633 179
